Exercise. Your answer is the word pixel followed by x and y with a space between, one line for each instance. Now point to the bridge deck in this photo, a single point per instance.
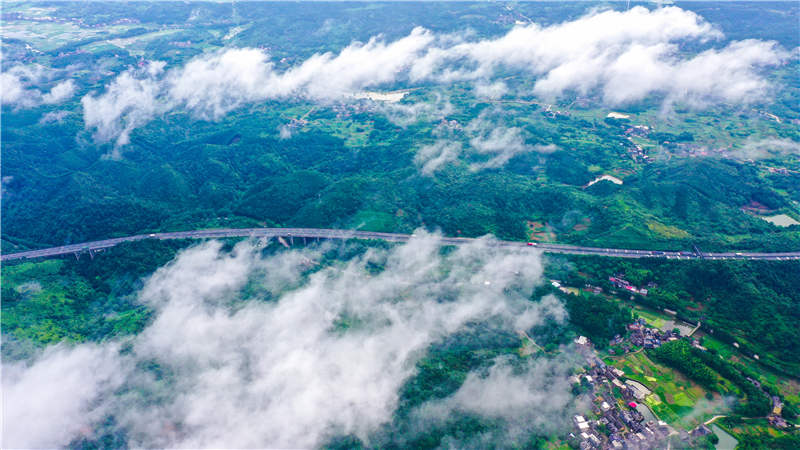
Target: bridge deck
pixel 321 233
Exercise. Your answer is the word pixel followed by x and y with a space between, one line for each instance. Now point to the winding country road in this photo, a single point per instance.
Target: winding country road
pixel 320 233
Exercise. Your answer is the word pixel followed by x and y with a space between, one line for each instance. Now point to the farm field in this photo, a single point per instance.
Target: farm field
pixel 674 399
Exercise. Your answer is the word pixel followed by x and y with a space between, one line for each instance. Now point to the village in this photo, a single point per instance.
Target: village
pixel 620 416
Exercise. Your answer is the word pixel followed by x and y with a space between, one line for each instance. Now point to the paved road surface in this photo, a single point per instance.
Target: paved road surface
pixel 319 233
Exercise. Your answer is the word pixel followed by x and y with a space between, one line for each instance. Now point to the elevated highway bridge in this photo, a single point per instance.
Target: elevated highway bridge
pixel 322 233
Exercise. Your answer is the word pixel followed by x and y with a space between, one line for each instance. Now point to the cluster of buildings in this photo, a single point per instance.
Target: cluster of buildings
pixel 296 124
pixel 181 44
pixel 780 170
pixel 11 16
pixel 637 153
pixel 693 150
pixel 620 283
pixel 616 422
pixel 643 336
pixel 450 124
pixel 346 110
pixel 638 130
pixel 552 113
pixel 774 418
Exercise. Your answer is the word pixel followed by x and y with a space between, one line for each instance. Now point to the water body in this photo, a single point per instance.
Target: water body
pixel 726 441
pixel 645 411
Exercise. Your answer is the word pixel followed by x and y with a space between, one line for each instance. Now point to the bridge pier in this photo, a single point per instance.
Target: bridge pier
pixel 291 240
pixel 77 256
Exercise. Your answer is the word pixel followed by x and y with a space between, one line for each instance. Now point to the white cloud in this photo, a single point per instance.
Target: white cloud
pixel 492 91
pixel 60 92
pixel 13 88
pixel 19 87
pixel 726 75
pixel 211 86
pixel 315 354
pixel 546 148
pixel 767 148
pixel 358 66
pixel 54 117
pixel 531 396
pixel 432 157
pixel 494 143
pixel 629 56
pixel 129 102
pixel 59 396
pixel 500 143
pixel 284 132
pixel 405 114
pixel 622 56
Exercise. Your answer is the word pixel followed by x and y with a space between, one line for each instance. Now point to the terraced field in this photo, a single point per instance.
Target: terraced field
pixel 675 399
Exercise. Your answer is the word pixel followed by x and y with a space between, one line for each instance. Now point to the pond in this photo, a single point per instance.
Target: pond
pixel 645 411
pixel 726 441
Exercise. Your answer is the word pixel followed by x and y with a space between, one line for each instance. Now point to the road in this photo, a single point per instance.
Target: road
pixel 321 233
pixel 713 419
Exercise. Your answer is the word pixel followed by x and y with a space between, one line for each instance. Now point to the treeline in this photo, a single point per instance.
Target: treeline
pixel 767 441
pixel 596 317
pixel 753 303
pixel 704 367
pixel 678 354
pixel 758 403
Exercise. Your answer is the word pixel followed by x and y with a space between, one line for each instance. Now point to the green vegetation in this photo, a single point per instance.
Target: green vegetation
pixel 353 166
pixel 765 440
pixel 678 354
pixel 754 304
pixel 67 300
pixel 674 397
pixel 596 317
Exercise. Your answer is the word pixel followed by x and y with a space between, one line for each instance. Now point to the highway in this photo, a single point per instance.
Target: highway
pixel 321 233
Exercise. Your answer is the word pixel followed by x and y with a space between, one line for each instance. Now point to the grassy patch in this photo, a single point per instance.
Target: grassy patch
pixel 374 221
pixel 355 134
pixel 667 231
pixel 651 319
